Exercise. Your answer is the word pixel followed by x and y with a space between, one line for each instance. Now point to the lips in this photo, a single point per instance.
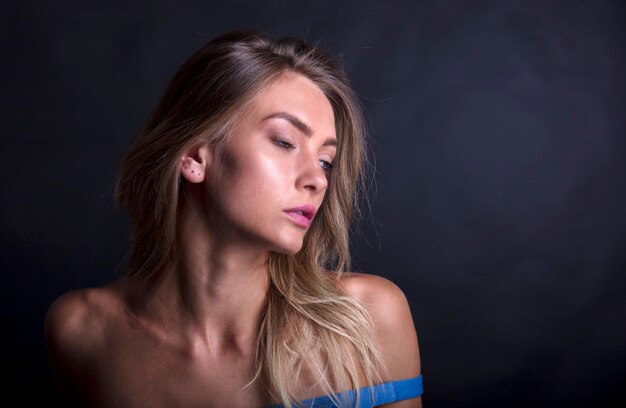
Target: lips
pixel 302 215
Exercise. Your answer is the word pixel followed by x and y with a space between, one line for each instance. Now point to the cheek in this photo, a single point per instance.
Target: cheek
pixel 252 181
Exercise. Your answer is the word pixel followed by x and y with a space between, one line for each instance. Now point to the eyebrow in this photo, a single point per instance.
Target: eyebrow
pixel 303 127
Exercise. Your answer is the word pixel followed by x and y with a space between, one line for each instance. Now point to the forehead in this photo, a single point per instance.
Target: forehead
pixel 297 95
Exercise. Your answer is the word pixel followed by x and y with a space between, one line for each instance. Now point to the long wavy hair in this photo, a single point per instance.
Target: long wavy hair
pixel 309 327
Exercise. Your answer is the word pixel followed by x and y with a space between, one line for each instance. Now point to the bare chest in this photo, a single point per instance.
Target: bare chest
pixel 134 370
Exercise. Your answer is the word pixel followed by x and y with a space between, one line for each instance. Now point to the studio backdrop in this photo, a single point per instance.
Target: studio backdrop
pixel 497 131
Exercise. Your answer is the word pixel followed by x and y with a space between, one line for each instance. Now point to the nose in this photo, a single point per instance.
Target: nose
pixel 312 176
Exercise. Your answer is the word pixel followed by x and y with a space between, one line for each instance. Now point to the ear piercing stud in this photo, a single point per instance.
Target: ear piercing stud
pixel 192 171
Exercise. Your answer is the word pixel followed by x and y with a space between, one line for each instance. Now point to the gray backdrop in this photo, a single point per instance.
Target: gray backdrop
pixel 499 136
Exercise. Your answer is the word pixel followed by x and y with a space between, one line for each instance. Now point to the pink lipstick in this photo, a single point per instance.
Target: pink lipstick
pixel 302 215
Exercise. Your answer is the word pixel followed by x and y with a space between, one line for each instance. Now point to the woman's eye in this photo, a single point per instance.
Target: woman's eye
pixel 284 144
pixel 327 166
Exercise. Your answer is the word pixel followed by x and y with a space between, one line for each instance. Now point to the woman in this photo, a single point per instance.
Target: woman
pixel 241 188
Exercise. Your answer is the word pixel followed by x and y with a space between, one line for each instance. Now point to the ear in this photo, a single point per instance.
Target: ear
pixel 194 163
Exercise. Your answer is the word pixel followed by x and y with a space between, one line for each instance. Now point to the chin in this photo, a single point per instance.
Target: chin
pixel 288 251
pixel 290 247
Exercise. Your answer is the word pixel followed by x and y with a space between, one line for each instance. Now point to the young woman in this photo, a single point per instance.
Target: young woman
pixel 241 188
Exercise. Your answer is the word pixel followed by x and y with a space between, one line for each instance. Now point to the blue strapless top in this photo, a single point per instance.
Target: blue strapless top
pixel 371 396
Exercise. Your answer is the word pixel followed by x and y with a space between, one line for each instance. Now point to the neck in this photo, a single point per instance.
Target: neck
pixel 213 286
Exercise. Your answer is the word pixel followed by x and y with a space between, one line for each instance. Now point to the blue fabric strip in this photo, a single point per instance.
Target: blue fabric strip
pixel 372 396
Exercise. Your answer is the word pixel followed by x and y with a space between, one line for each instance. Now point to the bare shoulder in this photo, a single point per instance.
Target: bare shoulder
pixel 373 290
pixel 392 319
pixel 383 299
pixel 71 315
pixel 75 325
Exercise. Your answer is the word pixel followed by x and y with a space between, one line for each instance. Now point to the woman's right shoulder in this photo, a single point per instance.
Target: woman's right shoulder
pixel 76 321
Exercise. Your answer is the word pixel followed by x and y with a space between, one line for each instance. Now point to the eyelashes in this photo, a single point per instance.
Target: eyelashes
pixel 327 166
pixel 283 144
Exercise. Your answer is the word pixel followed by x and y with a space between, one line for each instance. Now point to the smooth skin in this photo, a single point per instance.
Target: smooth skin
pixel 187 336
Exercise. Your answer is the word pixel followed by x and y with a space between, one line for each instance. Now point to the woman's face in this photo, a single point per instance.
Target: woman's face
pixel 273 172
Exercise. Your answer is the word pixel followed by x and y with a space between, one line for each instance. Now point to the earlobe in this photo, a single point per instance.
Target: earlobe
pixel 194 163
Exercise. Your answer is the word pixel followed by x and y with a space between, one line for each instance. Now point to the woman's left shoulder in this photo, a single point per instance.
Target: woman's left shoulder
pixel 377 293
pixel 392 319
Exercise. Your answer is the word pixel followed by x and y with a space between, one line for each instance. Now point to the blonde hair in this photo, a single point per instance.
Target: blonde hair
pixel 309 325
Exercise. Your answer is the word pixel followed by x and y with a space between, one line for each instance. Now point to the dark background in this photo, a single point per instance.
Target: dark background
pixel 498 130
